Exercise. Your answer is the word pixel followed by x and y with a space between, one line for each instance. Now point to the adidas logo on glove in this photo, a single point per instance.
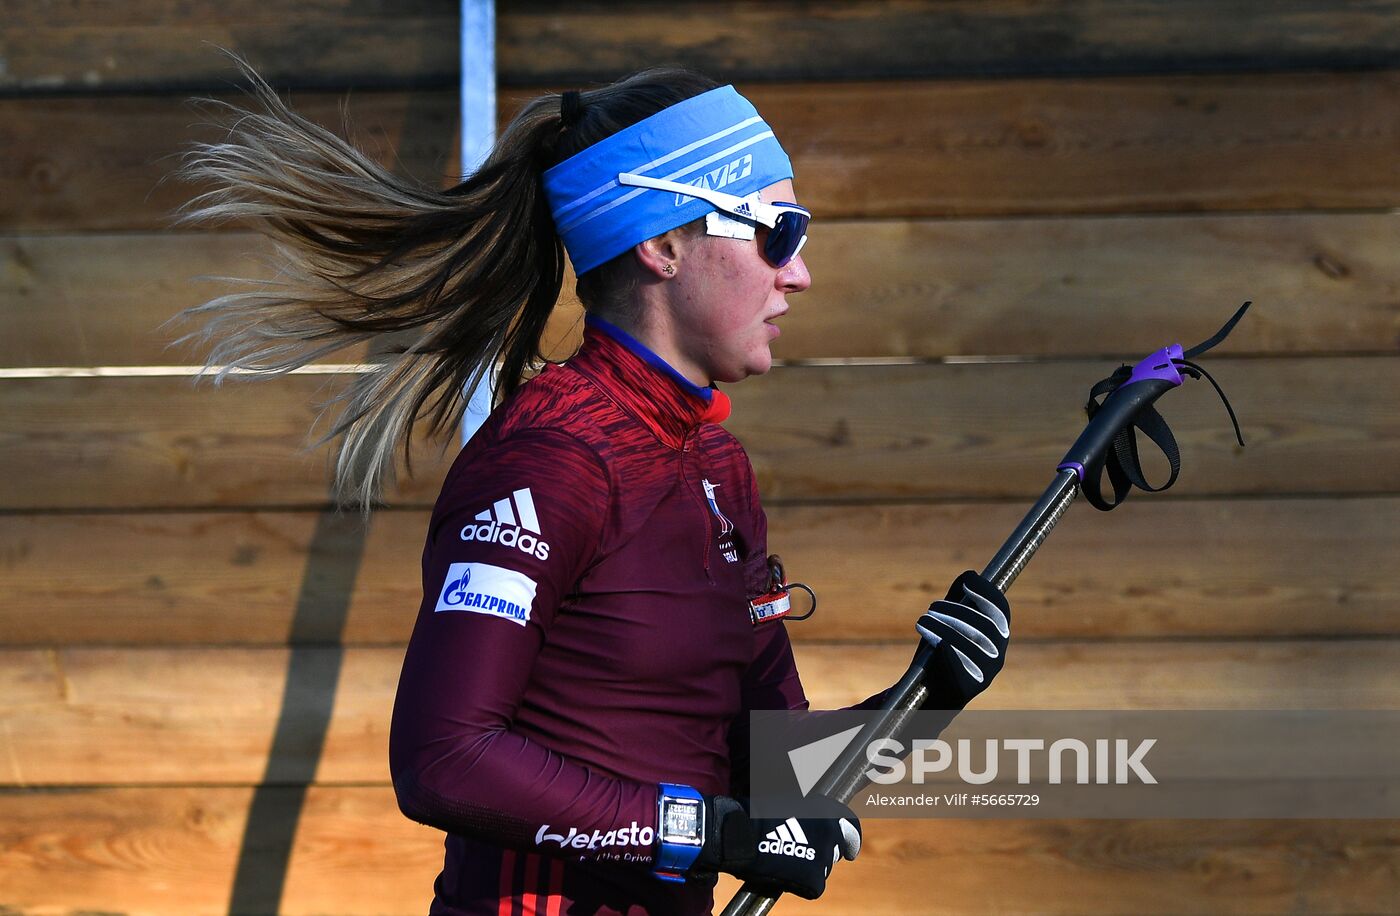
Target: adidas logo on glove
pixel 787 839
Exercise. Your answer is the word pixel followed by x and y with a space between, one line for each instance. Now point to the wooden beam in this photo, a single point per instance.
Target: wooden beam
pixel 922 288
pixel 241 444
pixel 1219 568
pixel 896 39
pixel 1318 426
pixel 169 851
pixel 938 431
pixel 101 300
pixel 1133 674
pixel 888 150
pixel 1159 568
pixel 113 299
pixel 1075 286
pixel 323 45
pixel 110 163
pixel 366 43
pixel 1112 145
pixel 183 715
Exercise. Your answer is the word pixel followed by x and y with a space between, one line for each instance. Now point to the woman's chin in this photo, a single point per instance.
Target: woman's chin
pixel 761 362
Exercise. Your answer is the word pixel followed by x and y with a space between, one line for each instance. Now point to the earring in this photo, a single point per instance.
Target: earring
pixel 668 270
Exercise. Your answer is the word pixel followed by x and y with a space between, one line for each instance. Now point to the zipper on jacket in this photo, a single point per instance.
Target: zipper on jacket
pixel 703 503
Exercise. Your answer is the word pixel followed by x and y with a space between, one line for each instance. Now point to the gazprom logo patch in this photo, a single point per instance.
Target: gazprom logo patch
pixel 480 588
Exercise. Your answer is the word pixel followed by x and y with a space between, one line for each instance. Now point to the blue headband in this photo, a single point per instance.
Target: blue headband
pixel 716 138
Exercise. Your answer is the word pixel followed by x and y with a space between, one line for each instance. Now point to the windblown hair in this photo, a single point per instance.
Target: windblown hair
pixel 464 279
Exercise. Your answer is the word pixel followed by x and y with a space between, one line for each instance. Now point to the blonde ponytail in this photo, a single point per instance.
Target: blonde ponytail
pixel 443 284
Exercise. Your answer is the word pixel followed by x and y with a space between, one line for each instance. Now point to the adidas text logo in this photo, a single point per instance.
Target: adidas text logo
pixel 510 522
pixel 787 839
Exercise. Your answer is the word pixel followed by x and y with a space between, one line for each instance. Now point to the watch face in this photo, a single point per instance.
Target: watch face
pixel 680 821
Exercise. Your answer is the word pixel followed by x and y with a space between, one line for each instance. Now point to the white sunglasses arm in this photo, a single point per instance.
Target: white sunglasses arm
pixel 718 198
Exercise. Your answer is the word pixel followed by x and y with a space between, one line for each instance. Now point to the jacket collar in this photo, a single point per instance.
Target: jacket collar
pixel 644 384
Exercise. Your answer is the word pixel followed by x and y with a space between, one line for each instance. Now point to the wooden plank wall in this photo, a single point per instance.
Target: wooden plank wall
pixel 199 658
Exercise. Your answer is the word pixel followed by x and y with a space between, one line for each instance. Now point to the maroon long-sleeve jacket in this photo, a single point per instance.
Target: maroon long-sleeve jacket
pixel 584 635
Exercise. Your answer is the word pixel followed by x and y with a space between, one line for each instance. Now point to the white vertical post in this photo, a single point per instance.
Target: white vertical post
pixel 478 136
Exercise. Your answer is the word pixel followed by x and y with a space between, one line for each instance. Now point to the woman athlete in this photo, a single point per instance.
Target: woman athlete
pixel 574 700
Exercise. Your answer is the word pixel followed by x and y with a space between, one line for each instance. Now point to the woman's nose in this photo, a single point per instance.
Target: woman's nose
pixel 793 276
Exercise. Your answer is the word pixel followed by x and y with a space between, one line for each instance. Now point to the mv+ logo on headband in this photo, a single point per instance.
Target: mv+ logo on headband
pixel 722 177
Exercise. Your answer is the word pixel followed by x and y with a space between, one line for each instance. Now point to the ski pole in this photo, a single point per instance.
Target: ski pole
pixel 846 776
pixel 1128 406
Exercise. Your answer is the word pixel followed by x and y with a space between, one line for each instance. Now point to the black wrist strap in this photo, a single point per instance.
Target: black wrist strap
pixel 1123 463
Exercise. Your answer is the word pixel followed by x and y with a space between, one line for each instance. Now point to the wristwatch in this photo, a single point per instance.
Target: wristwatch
pixel 680 830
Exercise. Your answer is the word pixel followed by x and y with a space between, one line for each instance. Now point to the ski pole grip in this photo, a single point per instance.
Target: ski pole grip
pixel 1150 379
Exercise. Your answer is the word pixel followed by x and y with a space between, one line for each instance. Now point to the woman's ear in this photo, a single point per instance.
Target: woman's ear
pixel 659 256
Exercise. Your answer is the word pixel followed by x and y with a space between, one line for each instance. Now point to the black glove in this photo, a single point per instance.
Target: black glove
pixel 969 631
pixel 780 855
